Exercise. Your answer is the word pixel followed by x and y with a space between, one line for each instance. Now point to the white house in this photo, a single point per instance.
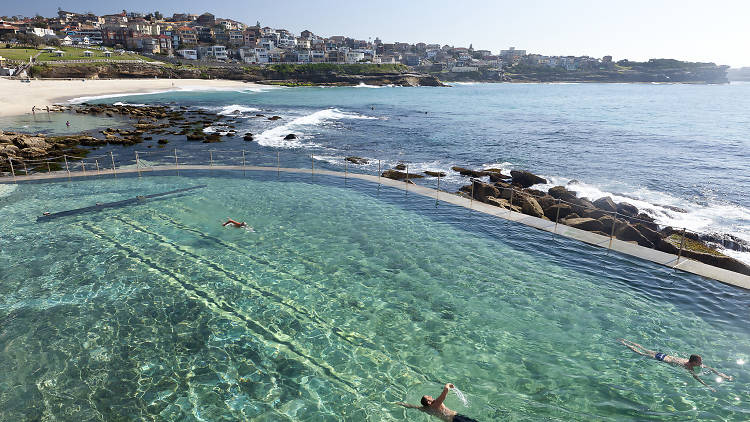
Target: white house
pixel 354 56
pixel 218 52
pixel 188 54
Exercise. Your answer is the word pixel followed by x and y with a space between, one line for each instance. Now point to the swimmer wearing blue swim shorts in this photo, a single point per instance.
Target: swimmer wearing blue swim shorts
pixel 695 361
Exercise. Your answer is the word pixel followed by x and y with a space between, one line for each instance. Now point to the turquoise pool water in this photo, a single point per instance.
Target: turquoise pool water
pixel 345 299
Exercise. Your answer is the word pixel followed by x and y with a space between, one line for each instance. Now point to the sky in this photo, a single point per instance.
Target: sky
pixel 716 31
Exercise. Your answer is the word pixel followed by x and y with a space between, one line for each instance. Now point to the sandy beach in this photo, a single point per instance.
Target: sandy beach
pixel 18 97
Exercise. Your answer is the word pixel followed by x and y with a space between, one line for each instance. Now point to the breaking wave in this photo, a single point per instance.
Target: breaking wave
pixel 275 137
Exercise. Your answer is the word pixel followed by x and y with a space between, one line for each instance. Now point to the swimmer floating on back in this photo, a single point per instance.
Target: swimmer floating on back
pixel 695 361
pixel 435 407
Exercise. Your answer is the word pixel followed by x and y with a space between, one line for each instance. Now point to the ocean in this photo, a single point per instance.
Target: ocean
pixel 661 147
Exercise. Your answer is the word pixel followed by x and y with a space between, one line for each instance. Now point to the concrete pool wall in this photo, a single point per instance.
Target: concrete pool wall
pixel 627 248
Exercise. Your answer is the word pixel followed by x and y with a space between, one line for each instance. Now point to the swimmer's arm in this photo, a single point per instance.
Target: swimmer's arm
pixel 409 405
pixel 725 376
pixel 439 401
pixel 701 381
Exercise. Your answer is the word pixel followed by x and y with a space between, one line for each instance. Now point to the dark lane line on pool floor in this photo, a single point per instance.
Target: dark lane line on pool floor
pixel 368 345
pixel 221 307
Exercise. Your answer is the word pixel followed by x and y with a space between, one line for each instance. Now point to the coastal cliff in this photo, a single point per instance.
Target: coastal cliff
pixel 313 74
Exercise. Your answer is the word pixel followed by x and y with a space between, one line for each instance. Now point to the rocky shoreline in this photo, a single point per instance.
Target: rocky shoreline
pixel 624 221
pixel 603 216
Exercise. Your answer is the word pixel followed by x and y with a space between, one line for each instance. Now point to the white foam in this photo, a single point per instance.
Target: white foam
pixel 461 396
pixel 236 109
pixel 120 103
pixel 275 137
pixel 251 89
pixel 216 129
pixel 708 217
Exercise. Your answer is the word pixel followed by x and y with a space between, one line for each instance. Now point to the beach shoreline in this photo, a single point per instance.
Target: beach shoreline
pixel 19 97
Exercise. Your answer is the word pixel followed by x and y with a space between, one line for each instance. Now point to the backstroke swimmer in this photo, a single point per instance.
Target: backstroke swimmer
pixel 435 407
pixel 695 361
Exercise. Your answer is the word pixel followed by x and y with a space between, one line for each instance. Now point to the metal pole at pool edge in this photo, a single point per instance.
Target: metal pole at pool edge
pixel 25 169
pixel 12 171
pixel 557 217
pixel 49 170
pixel 612 234
pixel 83 166
pixel 471 200
pixel 346 171
pixel 437 192
pixel 210 158
pixel 137 164
pixel 682 243
pixel 65 157
pixel 243 162
pixel 378 174
pixel 312 165
pixel 97 167
pixel 278 164
pixel 114 170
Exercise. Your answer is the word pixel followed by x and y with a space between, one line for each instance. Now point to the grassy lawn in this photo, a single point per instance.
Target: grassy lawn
pixel 17 53
pixel 70 54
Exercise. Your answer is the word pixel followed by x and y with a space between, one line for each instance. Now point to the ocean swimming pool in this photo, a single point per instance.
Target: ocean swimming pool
pixel 345 299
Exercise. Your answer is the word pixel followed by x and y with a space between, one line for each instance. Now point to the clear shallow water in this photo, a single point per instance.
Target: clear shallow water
pixel 345 299
pixel 657 146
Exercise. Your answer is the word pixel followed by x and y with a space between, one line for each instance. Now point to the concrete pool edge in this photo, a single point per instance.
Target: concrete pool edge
pixel 647 254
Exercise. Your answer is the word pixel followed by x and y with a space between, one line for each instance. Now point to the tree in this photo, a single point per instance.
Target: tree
pixel 55 42
pixel 158 15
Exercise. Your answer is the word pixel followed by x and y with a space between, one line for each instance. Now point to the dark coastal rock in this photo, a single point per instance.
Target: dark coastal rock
pixel 400 166
pixel 497 176
pixel 726 241
pixel 606 204
pixel 399 175
pixel 699 251
pixel 274 118
pixel 627 209
pixel 290 137
pixel 588 224
pixel 484 190
pixel 468 172
pixel 526 179
pixel 592 213
pixel 607 221
pixel 552 213
pixel 653 236
pixel 629 233
pixel 212 138
pixel 530 206
pixel 196 136
pixel 543 199
pixel 434 173
pixel 357 160
pixel 248 136
pixel 162 141
pixel 560 192
pixel 675 209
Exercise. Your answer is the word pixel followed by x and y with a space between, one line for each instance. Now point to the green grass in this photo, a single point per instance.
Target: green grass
pixel 18 53
pixel 77 54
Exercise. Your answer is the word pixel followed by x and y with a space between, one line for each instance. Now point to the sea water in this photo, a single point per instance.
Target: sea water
pixel 460 396
pixel 663 148
pixel 347 299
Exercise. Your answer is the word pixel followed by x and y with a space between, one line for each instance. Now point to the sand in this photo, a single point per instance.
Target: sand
pixel 17 98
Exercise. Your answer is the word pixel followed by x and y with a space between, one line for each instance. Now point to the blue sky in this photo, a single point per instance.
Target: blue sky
pixel 715 31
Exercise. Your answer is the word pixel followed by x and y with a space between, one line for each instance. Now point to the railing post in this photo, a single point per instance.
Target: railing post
pixel 346 170
pixel 65 157
pixel 379 173
pixel 437 191
pixel 278 163
pixel 137 164
pixel 557 217
pixel 49 170
pixel 12 171
pixel 176 163
pixel 512 191
pixel 210 158
pixel 682 243
pixel 25 170
pixel 114 170
pixel 97 167
pixel 243 162
pixel 471 200
pixel 312 164
pixel 83 166
pixel 612 234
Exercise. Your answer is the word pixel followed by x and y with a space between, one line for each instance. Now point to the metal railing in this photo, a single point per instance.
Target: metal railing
pixel 518 208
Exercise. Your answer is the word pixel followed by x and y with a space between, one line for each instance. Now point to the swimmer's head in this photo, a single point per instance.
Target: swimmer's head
pixel 427 400
pixel 695 360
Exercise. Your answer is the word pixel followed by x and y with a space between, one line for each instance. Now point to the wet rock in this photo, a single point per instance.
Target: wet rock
pixel 248 136
pixel 434 173
pixel 212 138
pixel 699 251
pixel 551 212
pixel 526 179
pixel 627 209
pixel 530 206
pixel 588 224
pixel 274 118
pixel 399 175
pixel 357 160
pixel 484 190
pixel 290 137
pixel 675 209
pixel 162 141
pixel 400 166
pixel 629 233
pixel 196 136
pixel 560 192
pixel 606 204
pixel 468 172
pixel 497 176
pixel 607 221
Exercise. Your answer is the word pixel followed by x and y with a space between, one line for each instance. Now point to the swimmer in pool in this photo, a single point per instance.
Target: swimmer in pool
pixel 695 361
pixel 435 407
pixel 237 224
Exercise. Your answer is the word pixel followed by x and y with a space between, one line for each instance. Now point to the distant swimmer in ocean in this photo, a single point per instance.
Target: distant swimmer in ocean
pixel 435 407
pixel 695 361
pixel 67 123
